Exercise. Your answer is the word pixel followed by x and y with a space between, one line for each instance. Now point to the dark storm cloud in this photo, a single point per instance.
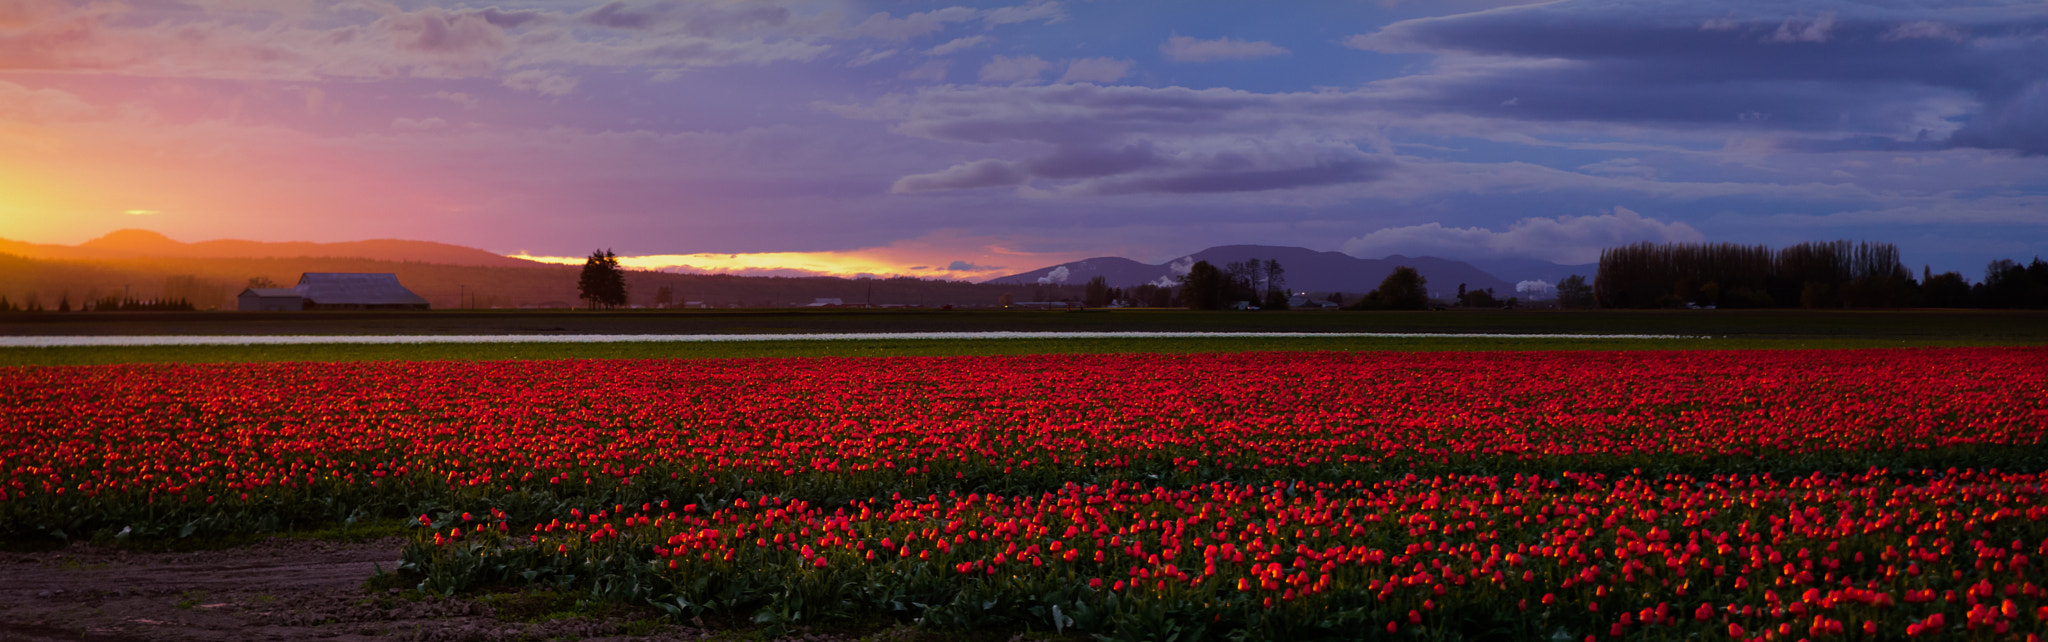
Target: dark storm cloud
pixel 1089 162
pixel 1974 72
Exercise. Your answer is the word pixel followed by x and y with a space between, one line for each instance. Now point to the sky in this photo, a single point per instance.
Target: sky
pixel 966 140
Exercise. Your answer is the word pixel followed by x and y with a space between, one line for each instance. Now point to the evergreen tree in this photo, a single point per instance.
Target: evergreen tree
pixel 1203 287
pixel 602 282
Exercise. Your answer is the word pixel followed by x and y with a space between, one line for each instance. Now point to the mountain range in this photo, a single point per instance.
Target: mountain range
pixel 146 265
pixel 1311 271
pixel 132 244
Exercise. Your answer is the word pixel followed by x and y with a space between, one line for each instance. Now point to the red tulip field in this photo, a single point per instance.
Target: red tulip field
pixel 1725 495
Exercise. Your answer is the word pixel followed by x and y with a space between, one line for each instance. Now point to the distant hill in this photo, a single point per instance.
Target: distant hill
pixel 1307 270
pixel 1518 270
pixel 131 244
pixel 212 283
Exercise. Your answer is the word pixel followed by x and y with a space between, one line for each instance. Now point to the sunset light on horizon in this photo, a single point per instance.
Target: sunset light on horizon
pixel 975 139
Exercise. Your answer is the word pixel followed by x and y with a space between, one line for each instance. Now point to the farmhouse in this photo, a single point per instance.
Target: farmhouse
pixel 334 291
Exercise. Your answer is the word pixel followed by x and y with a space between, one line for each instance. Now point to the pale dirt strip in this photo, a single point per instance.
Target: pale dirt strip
pixel 271 340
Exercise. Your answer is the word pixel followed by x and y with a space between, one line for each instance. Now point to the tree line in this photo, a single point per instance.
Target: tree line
pixel 1831 274
pixel 103 304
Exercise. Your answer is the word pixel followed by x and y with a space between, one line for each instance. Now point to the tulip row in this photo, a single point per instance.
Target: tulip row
pixel 151 433
pixel 1648 495
pixel 1523 557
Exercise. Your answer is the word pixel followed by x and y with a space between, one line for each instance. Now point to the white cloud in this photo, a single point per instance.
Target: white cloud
pixel 1621 167
pixel 21 104
pixel 1057 276
pixel 465 100
pixel 958 45
pixel 1565 239
pixel 541 82
pixel 1048 10
pixel 1021 69
pixel 870 56
pixel 1097 70
pixel 1805 30
pixel 1926 29
pixel 931 71
pixel 981 173
pixel 418 125
pixel 884 27
pixel 1179 48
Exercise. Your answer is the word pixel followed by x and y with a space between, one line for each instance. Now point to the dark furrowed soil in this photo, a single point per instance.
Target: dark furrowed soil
pixel 276 590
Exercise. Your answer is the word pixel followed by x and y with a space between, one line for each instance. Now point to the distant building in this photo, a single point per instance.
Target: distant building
pixel 334 291
pixel 270 300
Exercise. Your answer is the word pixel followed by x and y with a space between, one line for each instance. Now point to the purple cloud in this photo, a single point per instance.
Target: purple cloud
pixel 1019 69
pixel 1096 70
pixel 981 173
pixel 1830 68
pixel 1128 140
pixel 1179 48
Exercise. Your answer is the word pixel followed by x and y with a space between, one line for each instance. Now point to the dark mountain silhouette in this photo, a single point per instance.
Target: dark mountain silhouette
pixel 1518 270
pixel 1307 270
pixel 130 244
pixel 147 266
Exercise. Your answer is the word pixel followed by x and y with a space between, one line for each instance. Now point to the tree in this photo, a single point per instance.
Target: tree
pixel 1202 288
pixel 261 282
pixel 1401 290
pixel 1945 290
pixel 1241 281
pixel 1573 292
pixel 1276 285
pixel 2008 284
pixel 1097 293
pixel 664 296
pixel 1477 298
pixel 1152 295
pixel 602 282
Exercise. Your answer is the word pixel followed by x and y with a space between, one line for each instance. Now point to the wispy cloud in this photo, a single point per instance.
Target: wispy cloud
pixel 1179 48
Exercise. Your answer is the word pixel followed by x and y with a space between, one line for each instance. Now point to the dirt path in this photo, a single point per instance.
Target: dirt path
pixel 276 590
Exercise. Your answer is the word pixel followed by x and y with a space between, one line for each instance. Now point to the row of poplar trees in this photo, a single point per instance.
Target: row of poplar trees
pixel 1813 275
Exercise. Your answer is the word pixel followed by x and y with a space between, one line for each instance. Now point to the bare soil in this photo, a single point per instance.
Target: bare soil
pixel 280 589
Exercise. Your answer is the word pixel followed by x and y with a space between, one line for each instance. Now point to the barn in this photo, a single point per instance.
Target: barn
pixel 334 291
pixel 270 300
